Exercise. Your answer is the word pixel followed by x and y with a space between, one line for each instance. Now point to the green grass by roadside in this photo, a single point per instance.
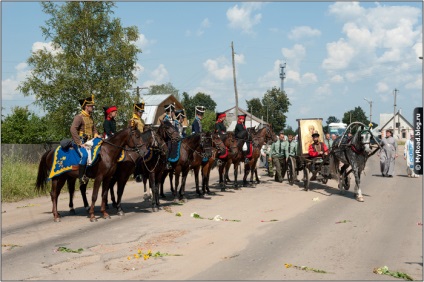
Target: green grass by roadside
pixel 18 179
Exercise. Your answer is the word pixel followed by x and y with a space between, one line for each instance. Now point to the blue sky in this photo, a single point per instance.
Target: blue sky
pixel 336 53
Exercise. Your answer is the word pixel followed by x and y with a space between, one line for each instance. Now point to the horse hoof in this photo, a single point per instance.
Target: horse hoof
pixel 121 213
pixel 57 220
pixel 93 219
pixel 115 205
pixel 87 209
pixel 107 217
pixel 72 212
pixel 360 199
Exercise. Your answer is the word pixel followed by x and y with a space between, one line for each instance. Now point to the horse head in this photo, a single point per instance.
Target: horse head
pixel 154 141
pixel 168 132
pixel 218 143
pixel 366 140
pixel 270 135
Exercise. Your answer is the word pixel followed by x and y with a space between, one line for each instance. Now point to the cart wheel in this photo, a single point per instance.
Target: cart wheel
pixel 290 171
pixel 305 178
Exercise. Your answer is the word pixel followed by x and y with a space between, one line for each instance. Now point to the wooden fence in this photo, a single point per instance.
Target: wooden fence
pixel 27 152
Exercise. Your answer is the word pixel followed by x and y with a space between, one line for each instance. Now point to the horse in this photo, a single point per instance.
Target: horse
pixel 189 147
pixel 101 171
pixel 206 163
pixel 156 147
pixel 232 150
pixel 259 138
pixel 352 152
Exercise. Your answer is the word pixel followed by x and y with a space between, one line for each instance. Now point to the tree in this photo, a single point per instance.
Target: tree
pixel 200 99
pixel 25 127
pixel 355 115
pixel 272 108
pixel 289 130
pixel 164 89
pixel 255 107
pixel 330 119
pixel 92 54
pixel 278 104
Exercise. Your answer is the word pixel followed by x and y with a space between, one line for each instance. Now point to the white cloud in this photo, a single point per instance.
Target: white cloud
pixel 346 10
pixel 340 54
pixel 203 25
pixel 46 46
pixel 219 69
pixel 293 76
pixel 294 56
pixel 300 32
pixel 244 17
pixel 157 76
pixel 381 87
pixel 239 59
pixel 323 91
pixel 415 83
pixel 10 85
pixel 143 43
pixel 336 78
pixel 309 78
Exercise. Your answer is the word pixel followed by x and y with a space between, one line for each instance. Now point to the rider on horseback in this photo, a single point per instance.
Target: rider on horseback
pixel 316 149
pixel 138 122
pixel 196 126
pixel 109 125
pixel 178 122
pixel 240 133
pixel 219 125
pixel 82 130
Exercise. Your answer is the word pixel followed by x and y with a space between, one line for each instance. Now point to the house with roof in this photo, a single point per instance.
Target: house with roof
pixel 154 107
pixel 402 126
pixel 251 120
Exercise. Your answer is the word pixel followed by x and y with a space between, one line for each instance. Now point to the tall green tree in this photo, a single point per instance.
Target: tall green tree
pixel 330 119
pixel 356 114
pixel 25 127
pixel 167 88
pixel 92 54
pixel 272 108
pixel 200 99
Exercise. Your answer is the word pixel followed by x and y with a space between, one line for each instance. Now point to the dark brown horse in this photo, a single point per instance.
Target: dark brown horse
pixel 196 144
pixel 151 167
pixel 259 138
pixel 206 163
pixel 232 150
pixel 101 171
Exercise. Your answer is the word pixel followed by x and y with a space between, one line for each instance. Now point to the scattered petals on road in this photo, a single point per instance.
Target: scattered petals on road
pixel 316 199
pixel 11 246
pixel 178 214
pixel 305 268
pixel 28 205
pixel 269 220
pixel 343 221
pixel 67 250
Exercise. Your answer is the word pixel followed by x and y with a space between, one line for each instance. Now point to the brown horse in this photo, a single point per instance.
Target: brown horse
pixel 101 171
pixel 196 144
pixel 206 164
pixel 232 150
pixel 259 138
pixel 156 151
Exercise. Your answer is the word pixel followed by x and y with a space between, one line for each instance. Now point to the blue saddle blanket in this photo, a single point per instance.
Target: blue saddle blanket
pixel 64 160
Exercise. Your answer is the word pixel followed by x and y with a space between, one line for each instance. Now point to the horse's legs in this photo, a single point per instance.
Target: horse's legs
pixel 96 186
pixel 235 174
pixel 83 190
pixel 122 181
pixel 221 176
pixel 112 192
pixel 177 182
pixel 196 180
pixel 156 185
pixel 358 192
pixel 71 189
pixel 246 173
pixel 57 185
pixel 162 181
pixel 105 190
pixel 183 182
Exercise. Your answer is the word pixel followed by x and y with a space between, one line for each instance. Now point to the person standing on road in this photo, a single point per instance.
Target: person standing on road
pixel 291 150
pixel 408 155
pixel 278 157
pixel 328 141
pixel 389 145
pixel 270 164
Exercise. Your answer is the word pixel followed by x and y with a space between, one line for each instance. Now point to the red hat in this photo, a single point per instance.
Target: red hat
pixel 220 115
pixel 111 109
pixel 242 117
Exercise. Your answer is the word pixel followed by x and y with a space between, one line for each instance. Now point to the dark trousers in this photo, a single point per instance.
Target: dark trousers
pixel 280 167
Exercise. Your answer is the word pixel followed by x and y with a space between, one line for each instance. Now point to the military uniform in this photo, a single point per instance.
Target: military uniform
pixel 83 129
pixel 196 126
pixel 278 149
pixel 178 123
pixel 109 124
pixel 219 125
pixel 167 115
pixel 136 121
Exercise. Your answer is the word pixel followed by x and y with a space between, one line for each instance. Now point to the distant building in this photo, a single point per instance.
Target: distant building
pixel 251 120
pixel 154 108
pixel 402 126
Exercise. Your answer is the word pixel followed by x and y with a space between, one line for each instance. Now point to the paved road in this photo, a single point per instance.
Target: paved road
pixel 279 224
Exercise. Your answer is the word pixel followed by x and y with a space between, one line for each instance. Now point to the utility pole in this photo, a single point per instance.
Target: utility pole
pixel 370 102
pixel 138 89
pixel 282 75
pixel 394 111
pixel 234 76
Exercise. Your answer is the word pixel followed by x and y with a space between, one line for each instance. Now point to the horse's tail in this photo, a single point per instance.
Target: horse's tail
pixel 42 176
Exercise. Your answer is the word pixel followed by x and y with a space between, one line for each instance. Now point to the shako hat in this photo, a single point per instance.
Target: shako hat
pixel 89 101
pixel 200 110
pixel 220 115
pixel 179 113
pixel 139 107
pixel 169 107
pixel 110 109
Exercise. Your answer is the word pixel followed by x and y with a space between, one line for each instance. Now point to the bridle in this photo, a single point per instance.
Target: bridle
pixel 131 137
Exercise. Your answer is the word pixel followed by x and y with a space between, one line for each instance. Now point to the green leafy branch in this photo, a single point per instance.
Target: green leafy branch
pixel 67 250
pixel 385 270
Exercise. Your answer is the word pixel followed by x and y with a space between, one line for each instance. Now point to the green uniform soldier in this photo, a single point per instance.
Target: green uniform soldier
pixel 278 157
